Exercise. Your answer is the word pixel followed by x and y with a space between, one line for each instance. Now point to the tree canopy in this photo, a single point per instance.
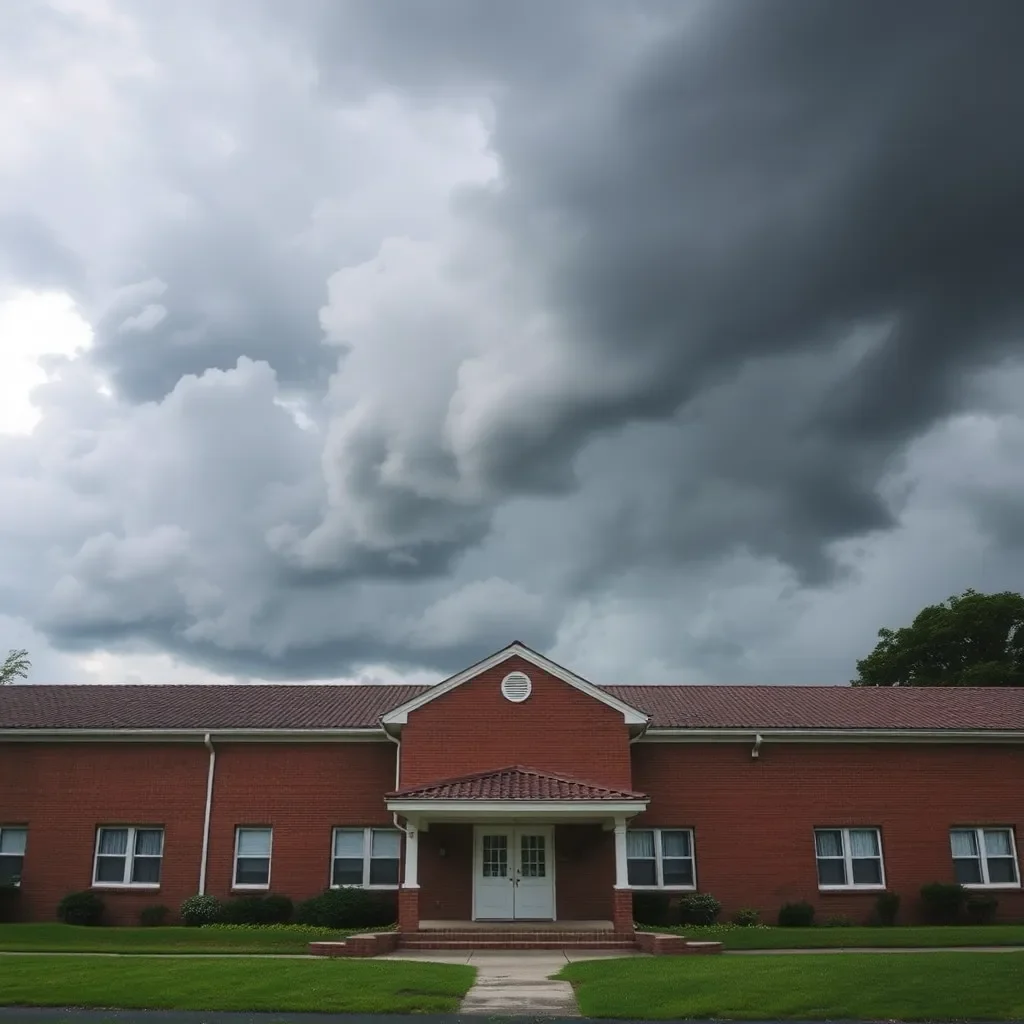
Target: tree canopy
pixel 971 640
pixel 15 665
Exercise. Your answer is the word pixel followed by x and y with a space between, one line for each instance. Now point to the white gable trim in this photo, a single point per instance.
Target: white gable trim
pixel 400 715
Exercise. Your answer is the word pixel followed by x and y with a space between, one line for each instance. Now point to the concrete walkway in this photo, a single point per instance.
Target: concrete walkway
pixel 516 982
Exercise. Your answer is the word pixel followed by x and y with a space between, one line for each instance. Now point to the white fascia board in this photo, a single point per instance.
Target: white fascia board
pixel 517 808
pixel 193 735
pixel 834 735
pixel 400 715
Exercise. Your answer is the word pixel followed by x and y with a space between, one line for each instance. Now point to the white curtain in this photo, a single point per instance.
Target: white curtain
pixel 114 842
pixel 385 844
pixel 639 843
pixel 348 843
pixel 964 843
pixel 149 842
pixel 997 844
pixel 12 842
pixel 863 842
pixel 675 844
pixel 254 842
pixel 829 844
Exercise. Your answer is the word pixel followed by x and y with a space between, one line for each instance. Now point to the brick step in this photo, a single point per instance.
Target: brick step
pixel 513 943
pixel 573 938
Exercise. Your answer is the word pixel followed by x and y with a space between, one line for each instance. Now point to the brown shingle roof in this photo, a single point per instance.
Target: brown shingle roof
pixel 827 707
pixel 241 706
pixel 308 706
pixel 514 783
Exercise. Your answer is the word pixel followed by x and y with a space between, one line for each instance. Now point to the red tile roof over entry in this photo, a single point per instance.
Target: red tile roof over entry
pixel 514 783
pixel 312 706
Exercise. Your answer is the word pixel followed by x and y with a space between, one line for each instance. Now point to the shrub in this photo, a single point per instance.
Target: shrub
pixel 839 921
pixel 199 910
pixel 652 908
pixel 257 910
pixel 796 915
pixel 887 908
pixel 347 908
pixel 154 916
pixel 748 917
pixel 943 902
pixel 981 909
pixel 698 908
pixel 10 903
pixel 80 908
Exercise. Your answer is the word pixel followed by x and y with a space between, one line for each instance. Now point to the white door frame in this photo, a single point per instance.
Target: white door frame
pixel 514 828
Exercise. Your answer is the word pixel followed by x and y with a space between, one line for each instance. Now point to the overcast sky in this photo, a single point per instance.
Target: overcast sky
pixel 681 341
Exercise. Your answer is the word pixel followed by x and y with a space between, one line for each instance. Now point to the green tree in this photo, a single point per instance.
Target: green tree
pixel 971 640
pixel 15 665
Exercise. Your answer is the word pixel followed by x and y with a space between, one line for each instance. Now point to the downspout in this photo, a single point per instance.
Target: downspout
pixel 398 775
pixel 208 743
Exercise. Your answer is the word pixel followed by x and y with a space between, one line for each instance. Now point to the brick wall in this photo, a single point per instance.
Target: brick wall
pixel 754 818
pixel 558 729
pixel 584 872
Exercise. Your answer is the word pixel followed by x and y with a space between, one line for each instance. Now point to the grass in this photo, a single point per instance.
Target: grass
pixel 832 938
pixel 287 986
pixel 64 938
pixel 871 986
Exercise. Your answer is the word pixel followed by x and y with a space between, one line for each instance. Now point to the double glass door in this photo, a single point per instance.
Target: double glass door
pixel 514 873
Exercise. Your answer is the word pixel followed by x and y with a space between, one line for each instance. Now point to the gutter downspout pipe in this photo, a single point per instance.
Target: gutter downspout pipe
pixel 398 774
pixel 208 743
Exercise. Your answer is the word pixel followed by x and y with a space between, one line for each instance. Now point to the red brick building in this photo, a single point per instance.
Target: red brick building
pixel 513 790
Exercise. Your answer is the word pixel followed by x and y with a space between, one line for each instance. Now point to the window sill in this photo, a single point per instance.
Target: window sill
pixel 661 888
pixel 851 888
pixel 990 886
pixel 369 888
pixel 251 888
pixel 122 887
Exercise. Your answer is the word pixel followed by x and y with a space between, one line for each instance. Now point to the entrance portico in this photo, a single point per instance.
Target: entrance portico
pixel 499 846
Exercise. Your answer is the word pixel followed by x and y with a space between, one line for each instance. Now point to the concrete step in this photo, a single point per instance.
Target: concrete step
pixel 513 942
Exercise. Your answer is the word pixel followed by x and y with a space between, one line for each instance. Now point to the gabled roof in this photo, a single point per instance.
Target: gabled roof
pixel 829 707
pixel 514 783
pixel 631 716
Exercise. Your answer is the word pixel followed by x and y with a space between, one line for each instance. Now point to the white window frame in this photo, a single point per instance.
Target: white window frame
pixel 367 857
pixel 848 859
pixel 24 852
pixel 253 886
pixel 979 838
pixel 659 874
pixel 129 857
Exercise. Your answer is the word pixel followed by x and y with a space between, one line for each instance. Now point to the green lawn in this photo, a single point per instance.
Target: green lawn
pixel 326 986
pixel 830 938
pixel 870 986
pixel 64 938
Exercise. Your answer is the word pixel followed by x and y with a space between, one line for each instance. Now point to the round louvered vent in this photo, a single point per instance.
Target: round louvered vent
pixel 516 687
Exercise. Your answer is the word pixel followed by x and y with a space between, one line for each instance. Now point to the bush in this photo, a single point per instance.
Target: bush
pixel 748 917
pixel 698 908
pixel 652 908
pixel 154 916
pixel 257 910
pixel 887 908
pixel 80 908
pixel 981 909
pixel 839 921
pixel 10 903
pixel 796 915
pixel 943 902
pixel 199 910
pixel 347 908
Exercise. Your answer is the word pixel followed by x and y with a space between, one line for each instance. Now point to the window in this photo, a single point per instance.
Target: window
pixel 849 858
pixel 252 858
pixel 660 857
pixel 12 854
pixel 366 857
pixel 128 856
pixel 984 856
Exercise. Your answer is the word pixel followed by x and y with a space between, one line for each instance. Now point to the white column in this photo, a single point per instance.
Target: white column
pixel 621 872
pixel 412 858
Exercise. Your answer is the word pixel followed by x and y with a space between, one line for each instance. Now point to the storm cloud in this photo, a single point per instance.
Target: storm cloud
pixel 674 340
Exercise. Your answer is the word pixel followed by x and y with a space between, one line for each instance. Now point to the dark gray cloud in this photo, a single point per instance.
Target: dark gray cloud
pixel 426 327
